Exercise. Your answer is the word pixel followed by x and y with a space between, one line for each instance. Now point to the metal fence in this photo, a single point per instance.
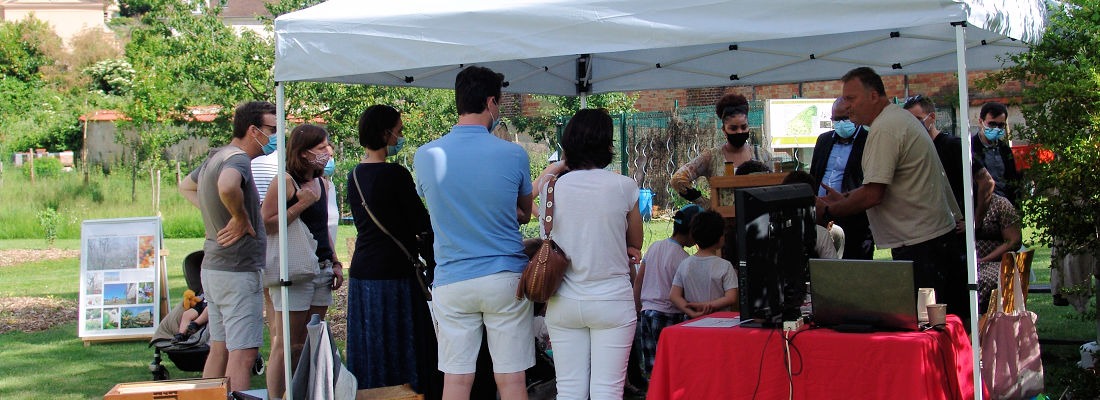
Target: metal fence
pixel 653 145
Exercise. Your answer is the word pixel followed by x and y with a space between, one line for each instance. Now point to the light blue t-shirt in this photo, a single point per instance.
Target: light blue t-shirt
pixel 471 181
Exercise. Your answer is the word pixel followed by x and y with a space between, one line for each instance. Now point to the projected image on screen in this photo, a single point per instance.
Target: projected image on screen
pixel 775 232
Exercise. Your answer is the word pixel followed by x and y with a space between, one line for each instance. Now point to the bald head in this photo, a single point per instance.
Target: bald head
pixel 838 107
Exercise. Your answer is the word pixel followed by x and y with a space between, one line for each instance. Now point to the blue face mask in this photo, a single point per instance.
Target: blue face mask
pixel 994 134
pixel 392 150
pixel 845 128
pixel 272 144
pixel 330 167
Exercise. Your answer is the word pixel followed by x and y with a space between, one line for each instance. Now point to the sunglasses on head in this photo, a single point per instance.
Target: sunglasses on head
pixel 912 100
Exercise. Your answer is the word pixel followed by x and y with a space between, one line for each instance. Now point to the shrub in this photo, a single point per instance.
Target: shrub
pixel 46 167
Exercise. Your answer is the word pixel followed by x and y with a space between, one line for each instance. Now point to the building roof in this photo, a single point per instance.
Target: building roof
pixel 242 8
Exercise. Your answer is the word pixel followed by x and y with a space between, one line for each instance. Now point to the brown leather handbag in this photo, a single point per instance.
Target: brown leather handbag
pixel 546 270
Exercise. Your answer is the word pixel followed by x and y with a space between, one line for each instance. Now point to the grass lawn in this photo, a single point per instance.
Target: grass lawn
pixel 56 364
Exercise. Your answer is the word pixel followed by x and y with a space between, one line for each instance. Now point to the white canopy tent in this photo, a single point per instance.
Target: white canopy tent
pixel 579 47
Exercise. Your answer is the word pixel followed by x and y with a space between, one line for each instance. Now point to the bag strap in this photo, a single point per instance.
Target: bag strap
pixel 548 213
pixel 363 201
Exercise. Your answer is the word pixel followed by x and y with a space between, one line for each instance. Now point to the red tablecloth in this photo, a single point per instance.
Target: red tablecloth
pixel 743 363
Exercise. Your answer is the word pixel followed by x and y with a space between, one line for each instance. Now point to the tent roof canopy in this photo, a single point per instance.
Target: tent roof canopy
pixel 569 47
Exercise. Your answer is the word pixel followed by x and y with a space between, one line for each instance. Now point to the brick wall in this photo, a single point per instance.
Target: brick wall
pixel 942 87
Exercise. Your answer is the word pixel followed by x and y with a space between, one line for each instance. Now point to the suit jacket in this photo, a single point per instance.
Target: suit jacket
pixel 1012 177
pixel 858 242
pixel 853 172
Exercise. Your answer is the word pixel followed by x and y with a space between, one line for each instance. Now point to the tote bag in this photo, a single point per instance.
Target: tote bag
pixel 1011 366
pixel 301 252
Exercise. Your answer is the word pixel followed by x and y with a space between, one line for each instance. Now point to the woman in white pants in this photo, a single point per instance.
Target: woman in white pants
pixel 591 319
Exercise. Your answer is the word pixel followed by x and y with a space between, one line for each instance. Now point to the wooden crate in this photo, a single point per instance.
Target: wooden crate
pixel 180 389
pixel 399 392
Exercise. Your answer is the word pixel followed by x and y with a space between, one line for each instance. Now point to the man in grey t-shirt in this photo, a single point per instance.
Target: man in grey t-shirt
pixel 224 190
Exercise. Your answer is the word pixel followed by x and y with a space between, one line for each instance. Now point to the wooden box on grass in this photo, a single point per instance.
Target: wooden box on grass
pixel 180 389
pixel 399 392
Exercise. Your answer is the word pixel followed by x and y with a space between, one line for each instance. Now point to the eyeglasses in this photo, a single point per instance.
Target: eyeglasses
pixel 993 124
pixel 274 129
pixel 912 100
pixel 838 119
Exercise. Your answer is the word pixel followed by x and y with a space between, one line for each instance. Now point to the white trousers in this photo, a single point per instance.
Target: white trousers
pixel 591 342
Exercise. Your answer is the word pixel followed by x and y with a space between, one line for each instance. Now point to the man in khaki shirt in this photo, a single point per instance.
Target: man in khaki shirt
pixel 905 192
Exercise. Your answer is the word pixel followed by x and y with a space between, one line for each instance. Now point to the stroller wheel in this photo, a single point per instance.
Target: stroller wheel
pixel 160 373
pixel 258 367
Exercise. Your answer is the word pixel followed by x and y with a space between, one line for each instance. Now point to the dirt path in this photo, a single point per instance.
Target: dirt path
pixel 34 314
pixel 18 256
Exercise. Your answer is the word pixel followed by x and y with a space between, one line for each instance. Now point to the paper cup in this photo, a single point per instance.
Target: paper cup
pixel 925 296
pixel 937 314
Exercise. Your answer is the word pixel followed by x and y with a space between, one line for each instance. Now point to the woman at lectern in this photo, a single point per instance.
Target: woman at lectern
pixel 596 222
pixel 733 111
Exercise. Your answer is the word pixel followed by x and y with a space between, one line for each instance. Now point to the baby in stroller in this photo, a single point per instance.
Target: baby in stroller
pixel 194 316
pixel 182 333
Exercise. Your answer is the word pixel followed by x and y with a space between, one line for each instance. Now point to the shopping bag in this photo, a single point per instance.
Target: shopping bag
pixel 1011 366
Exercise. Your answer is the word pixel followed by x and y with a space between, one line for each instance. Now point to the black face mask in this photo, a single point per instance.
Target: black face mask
pixel 737 139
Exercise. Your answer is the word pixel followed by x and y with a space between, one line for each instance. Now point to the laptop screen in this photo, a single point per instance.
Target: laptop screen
pixel 863 295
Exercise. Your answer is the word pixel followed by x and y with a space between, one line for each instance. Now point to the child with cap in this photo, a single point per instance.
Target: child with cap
pixel 654 282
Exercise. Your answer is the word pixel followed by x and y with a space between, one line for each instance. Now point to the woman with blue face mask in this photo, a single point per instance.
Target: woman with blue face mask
pixel 390 335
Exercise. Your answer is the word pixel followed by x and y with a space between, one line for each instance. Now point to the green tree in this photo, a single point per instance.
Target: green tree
pixel 25 47
pixel 1063 94
pixel 544 126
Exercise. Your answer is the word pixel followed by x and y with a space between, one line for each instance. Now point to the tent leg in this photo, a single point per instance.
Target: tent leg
pixel 968 203
pixel 280 117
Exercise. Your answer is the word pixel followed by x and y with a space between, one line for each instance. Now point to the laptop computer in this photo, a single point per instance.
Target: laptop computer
pixel 863 295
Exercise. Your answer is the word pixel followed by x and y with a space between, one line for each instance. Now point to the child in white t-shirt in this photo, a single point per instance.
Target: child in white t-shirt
pixel 654 283
pixel 705 282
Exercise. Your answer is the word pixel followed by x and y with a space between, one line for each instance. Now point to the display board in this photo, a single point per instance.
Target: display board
pixel 795 123
pixel 120 278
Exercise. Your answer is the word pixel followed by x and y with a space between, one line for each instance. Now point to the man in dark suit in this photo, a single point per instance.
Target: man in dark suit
pixel 837 163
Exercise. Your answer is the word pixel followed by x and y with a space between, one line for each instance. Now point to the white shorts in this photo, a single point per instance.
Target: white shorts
pixel 235 304
pixel 317 292
pixel 462 308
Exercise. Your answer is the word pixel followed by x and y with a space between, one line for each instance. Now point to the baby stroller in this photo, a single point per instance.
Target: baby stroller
pixel 190 353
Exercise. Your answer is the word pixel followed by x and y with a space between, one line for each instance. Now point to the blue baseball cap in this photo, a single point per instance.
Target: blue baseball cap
pixel 686 213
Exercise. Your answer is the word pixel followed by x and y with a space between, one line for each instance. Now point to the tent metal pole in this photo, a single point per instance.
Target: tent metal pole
pixel 280 114
pixel 584 100
pixel 968 203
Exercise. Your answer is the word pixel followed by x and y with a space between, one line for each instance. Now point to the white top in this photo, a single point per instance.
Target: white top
pixel 824 246
pixel 590 225
pixel 705 278
pixel 661 261
pixel 264 169
pixel 333 212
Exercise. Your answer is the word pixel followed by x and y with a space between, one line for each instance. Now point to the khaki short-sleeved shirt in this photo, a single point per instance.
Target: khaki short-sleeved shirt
pixel 918 205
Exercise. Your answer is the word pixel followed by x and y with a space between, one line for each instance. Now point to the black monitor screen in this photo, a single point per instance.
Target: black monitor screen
pixel 775 234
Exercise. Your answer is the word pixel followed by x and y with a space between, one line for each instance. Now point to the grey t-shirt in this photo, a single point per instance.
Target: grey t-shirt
pixel 247 254
pixel 705 278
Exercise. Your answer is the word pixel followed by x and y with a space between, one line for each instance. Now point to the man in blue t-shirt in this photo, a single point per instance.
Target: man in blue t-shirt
pixel 478 191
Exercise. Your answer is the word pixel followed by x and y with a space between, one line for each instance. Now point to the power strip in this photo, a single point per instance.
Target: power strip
pixel 792 326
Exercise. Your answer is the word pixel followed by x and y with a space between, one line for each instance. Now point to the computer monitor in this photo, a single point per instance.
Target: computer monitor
pixel 863 295
pixel 775 234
